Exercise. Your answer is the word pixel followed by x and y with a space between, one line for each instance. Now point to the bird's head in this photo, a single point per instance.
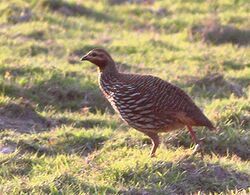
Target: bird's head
pixel 100 58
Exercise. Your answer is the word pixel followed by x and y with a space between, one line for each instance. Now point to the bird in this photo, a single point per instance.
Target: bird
pixel 146 102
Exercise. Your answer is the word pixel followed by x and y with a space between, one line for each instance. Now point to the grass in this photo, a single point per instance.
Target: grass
pixel 60 136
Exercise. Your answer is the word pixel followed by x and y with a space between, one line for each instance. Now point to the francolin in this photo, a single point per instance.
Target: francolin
pixel 147 103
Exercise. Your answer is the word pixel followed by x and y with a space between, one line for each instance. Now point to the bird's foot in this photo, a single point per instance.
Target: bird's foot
pixel 198 148
pixel 152 155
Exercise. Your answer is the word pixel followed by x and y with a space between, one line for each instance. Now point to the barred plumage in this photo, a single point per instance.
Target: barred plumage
pixel 147 103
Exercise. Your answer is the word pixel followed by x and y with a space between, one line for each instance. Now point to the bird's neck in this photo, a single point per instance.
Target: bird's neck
pixel 109 70
pixel 108 77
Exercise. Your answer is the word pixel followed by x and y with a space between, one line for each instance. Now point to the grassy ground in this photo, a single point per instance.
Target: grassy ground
pixel 59 135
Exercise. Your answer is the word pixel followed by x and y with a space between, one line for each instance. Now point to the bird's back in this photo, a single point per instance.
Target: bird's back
pixel 149 103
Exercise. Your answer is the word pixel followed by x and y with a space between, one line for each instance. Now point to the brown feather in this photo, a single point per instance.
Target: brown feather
pixel 147 103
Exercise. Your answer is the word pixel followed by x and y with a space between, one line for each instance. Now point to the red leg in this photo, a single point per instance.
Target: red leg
pixel 196 141
pixel 155 141
pixel 193 135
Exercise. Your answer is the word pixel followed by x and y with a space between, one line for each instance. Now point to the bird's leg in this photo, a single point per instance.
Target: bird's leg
pixel 196 141
pixel 193 135
pixel 155 142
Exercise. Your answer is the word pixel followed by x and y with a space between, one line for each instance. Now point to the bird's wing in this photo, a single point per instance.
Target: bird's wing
pixel 169 100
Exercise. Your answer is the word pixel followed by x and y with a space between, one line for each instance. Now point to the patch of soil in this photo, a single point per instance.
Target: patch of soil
pixel 211 31
pixel 22 118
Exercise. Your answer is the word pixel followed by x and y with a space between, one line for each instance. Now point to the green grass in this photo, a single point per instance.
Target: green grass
pixel 60 136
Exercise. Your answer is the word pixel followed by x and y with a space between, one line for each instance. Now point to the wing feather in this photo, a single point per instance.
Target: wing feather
pixel 169 100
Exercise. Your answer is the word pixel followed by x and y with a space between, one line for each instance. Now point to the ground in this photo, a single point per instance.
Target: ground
pixel 60 136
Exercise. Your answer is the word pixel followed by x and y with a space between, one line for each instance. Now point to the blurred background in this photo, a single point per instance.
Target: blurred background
pixel 59 134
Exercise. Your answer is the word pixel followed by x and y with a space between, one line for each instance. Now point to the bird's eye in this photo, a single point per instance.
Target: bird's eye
pixel 94 54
